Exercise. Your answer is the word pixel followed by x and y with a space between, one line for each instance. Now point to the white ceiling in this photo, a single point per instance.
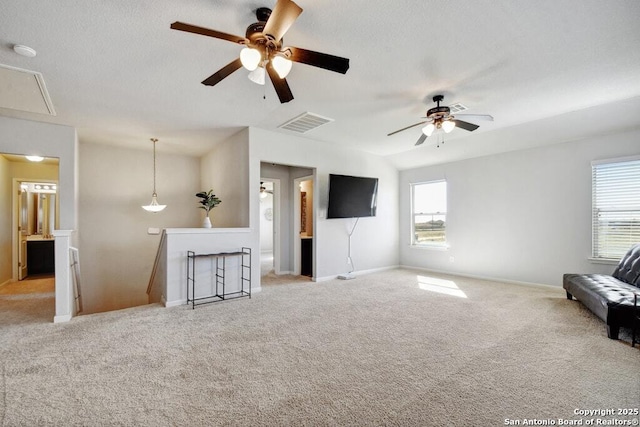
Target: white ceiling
pixel 117 72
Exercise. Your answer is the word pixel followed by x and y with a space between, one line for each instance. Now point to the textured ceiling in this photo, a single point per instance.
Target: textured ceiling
pixel 120 75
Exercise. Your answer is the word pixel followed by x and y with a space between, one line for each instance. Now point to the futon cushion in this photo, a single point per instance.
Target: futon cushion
pixel 628 270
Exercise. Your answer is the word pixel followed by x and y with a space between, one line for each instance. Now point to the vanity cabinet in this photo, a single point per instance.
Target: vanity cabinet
pixel 40 257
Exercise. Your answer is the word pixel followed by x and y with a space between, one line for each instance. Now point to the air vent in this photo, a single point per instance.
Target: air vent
pixel 457 108
pixel 24 90
pixel 305 122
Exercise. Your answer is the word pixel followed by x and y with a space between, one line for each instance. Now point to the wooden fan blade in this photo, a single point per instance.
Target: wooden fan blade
pixel 280 85
pixel 219 75
pixel 282 17
pixel 317 59
pixel 408 127
pixel 422 138
pixel 207 32
pixel 476 117
pixel 466 125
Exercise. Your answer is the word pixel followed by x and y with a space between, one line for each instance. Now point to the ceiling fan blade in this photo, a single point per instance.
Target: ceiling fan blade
pixel 422 138
pixel 466 125
pixel 207 32
pixel 476 117
pixel 280 85
pixel 408 127
pixel 282 17
pixel 317 59
pixel 223 72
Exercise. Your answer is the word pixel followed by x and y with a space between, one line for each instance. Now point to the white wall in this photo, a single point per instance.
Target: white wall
pixel 225 169
pixel 522 216
pixel 117 253
pixel 375 241
pixel 266 225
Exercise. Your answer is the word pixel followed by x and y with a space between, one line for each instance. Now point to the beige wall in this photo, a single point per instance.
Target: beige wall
pixel 225 169
pixel 5 221
pixel 116 251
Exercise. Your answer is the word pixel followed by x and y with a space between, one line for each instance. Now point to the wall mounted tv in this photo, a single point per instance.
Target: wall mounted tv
pixel 352 196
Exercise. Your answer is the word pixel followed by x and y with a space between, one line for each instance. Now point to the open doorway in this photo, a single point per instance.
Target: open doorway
pixel 291 201
pixel 30 211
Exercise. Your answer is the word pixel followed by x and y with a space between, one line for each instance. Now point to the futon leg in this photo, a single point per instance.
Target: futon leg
pixel 569 296
pixel 612 331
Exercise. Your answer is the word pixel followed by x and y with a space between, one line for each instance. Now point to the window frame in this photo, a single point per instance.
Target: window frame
pixel 599 252
pixel 428 245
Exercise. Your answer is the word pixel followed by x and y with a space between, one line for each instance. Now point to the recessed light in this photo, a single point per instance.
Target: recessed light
pixel 24 50
pixel 35 158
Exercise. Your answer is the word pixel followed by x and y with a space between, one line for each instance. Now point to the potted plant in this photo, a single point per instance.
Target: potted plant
pixel 208 200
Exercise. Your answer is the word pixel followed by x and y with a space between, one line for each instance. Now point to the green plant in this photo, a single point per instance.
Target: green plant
pixel 208 200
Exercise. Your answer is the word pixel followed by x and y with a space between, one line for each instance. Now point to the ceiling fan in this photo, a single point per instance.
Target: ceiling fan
pixel 264 51
pixel 440 117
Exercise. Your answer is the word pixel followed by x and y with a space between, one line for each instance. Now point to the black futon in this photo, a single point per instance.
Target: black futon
pixel 610 297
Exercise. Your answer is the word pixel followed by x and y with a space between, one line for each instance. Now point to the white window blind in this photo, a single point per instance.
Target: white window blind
pixel 429 213
pixel 616 207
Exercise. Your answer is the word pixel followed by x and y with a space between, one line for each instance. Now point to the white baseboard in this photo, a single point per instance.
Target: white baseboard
pixel 478 277
pixel 356 273
pixel 62 319
pixel 6 282
pixel 176 303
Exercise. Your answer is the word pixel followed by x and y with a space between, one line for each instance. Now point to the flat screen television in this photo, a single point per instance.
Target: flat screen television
pixel 352 196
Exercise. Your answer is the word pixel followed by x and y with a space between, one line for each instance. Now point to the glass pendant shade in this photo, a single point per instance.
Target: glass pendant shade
pixel 428 129
pixel 250 58
pixel 257 75
pixel 448 125
pixel 154 206
pixel 282 66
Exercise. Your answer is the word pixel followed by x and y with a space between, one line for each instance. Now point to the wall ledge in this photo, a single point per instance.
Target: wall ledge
pixel 206 230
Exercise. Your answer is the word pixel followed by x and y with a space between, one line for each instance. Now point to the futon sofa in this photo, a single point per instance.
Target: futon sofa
pixel 610 297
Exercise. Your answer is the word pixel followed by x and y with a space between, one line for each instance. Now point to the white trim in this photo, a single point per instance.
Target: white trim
pixel 176 303
pixel 433 247
pixel 62 318
pixel 206 230
pixel 607 261
pixel 357 273
pixel 487 278
pixel 616 160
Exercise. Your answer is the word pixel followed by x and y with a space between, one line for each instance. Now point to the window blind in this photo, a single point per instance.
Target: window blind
pixel 616 207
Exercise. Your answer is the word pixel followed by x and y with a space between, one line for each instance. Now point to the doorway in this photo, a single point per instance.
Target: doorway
pixel 287 211
pixel 269 226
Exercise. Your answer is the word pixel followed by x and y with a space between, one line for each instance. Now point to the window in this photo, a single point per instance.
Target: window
pixel 429 213
pixel 615 206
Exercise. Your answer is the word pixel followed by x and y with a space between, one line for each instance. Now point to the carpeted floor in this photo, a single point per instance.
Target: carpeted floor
pixel 396 348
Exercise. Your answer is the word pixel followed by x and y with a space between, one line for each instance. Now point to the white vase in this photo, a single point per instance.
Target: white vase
pixel 206 223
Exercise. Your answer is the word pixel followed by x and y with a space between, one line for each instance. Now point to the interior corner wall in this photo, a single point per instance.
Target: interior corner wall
pixel 375 240
pixel 225 170
pixel 5 221
pixel 522 216
pixel 117 253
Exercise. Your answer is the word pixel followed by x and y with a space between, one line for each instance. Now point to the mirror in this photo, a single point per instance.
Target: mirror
pixel 39 216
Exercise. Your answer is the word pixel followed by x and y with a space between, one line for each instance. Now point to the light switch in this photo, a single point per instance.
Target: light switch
pixel 153 230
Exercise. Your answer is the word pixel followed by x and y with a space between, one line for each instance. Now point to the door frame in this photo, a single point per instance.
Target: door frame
pixel 297 250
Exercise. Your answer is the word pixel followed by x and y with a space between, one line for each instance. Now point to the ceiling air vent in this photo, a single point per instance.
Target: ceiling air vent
pixel 305 122
pixel 457 108
pixel 24 90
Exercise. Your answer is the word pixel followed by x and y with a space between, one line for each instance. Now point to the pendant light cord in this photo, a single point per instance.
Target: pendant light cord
pixel 154 140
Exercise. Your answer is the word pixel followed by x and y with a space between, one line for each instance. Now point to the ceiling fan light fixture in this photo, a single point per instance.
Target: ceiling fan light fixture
pixel 258 75
pixel 250 58
pixel 448 125
pixel 282 65
pixel 428 129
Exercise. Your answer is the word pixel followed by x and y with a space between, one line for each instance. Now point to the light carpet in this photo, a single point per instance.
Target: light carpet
pixel 395 348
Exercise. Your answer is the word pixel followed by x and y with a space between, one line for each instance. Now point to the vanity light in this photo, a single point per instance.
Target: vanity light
pixel 35 158
pixel 154 206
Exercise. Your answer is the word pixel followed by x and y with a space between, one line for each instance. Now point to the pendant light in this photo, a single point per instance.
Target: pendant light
pixel 154 206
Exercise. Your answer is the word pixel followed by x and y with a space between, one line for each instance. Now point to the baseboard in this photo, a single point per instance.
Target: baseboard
pixel 6 282
pixel 487 278
pixel 356 273
pixel 62 319
pixel 176 303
